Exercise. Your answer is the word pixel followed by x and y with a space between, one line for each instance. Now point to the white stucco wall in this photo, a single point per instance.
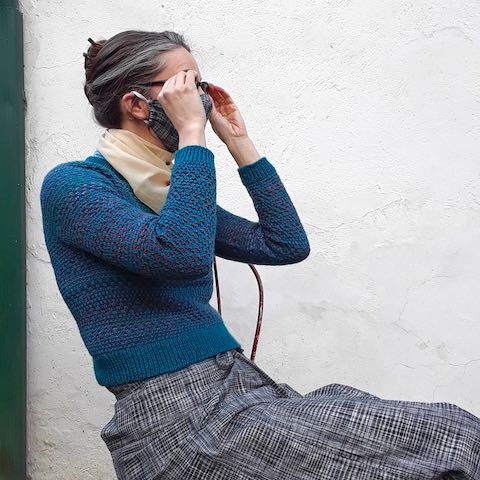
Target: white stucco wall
pixel 370 111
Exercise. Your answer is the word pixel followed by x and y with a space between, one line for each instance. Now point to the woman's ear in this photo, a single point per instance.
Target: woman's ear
pixel 133 108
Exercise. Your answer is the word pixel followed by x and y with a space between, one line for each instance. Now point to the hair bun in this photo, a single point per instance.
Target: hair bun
pixel 90 57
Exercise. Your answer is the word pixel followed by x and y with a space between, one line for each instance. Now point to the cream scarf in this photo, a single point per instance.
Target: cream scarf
pixel 145 166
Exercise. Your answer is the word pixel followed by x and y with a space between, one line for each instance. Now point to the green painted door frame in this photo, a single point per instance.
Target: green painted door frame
pixel 12 248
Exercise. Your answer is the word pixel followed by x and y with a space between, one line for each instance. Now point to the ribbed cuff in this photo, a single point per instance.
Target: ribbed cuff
pixel 257 171
pixel 194 153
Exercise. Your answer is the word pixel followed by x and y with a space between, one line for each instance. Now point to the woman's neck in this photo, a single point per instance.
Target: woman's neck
pixel 142 130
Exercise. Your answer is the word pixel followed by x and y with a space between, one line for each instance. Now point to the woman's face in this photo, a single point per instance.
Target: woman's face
pixel 133 118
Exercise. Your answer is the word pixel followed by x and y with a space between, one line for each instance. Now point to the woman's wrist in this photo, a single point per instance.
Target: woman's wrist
pixel 195 136
pixel 243 151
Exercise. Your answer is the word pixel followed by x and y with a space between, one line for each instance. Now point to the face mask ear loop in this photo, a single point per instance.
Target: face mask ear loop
pixel 141 97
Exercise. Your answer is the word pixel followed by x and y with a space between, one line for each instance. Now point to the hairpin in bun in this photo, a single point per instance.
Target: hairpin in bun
pixel 90 57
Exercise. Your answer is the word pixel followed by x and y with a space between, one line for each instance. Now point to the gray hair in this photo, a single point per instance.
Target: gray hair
pixel 112 66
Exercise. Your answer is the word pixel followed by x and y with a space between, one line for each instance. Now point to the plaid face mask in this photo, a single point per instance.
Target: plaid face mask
pixel 159 122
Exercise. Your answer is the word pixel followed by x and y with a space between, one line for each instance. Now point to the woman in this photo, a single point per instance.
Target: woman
pixel 132 236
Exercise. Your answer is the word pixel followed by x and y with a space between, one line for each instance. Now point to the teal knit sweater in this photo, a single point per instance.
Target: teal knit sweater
pixel 139 283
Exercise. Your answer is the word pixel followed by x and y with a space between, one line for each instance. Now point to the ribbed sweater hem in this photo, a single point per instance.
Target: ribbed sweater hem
pixel 167 355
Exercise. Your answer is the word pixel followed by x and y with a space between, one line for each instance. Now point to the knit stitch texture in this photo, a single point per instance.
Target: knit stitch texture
pixel 139 283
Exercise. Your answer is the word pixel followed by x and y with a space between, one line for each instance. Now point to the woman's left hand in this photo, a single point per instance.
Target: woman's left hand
pixel 225 118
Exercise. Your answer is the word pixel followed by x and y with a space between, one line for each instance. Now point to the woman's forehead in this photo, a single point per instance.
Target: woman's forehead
pixel 178 60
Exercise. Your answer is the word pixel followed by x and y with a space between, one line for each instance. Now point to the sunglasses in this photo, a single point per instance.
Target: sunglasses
pixel 202 85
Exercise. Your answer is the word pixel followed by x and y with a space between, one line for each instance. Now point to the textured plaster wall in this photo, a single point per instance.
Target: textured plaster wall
pixel 370 112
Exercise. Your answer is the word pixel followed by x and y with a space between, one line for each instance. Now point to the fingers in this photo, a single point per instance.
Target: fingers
pixel 179 80
pixel 221 95
pixel 167 86
pixel 214 93
pixel 218 102
pixel 190 79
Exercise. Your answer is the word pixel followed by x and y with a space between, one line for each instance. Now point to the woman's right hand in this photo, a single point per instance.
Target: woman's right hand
pixel 181 101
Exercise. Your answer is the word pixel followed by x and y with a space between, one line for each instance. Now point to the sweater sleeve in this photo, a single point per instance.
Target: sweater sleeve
pixel 278 238
pixel 81 207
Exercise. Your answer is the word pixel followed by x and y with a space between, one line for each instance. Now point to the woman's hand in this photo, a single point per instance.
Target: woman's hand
pixel 228 124
pixel 181 101
pixel 225 118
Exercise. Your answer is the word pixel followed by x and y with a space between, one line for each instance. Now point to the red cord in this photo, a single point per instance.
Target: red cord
pixel 260 303
pixel 217 287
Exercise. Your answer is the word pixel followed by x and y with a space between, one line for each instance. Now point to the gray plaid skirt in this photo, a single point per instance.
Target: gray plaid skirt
pixel 224 418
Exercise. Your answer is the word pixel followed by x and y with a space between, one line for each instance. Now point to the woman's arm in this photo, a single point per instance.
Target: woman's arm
pixel 278 238
pixel 81 207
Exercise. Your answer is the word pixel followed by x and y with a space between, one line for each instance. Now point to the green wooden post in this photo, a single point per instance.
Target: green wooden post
pixel 12 248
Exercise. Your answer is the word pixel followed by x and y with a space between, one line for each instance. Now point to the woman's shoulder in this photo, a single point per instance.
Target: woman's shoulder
pixel 70 175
